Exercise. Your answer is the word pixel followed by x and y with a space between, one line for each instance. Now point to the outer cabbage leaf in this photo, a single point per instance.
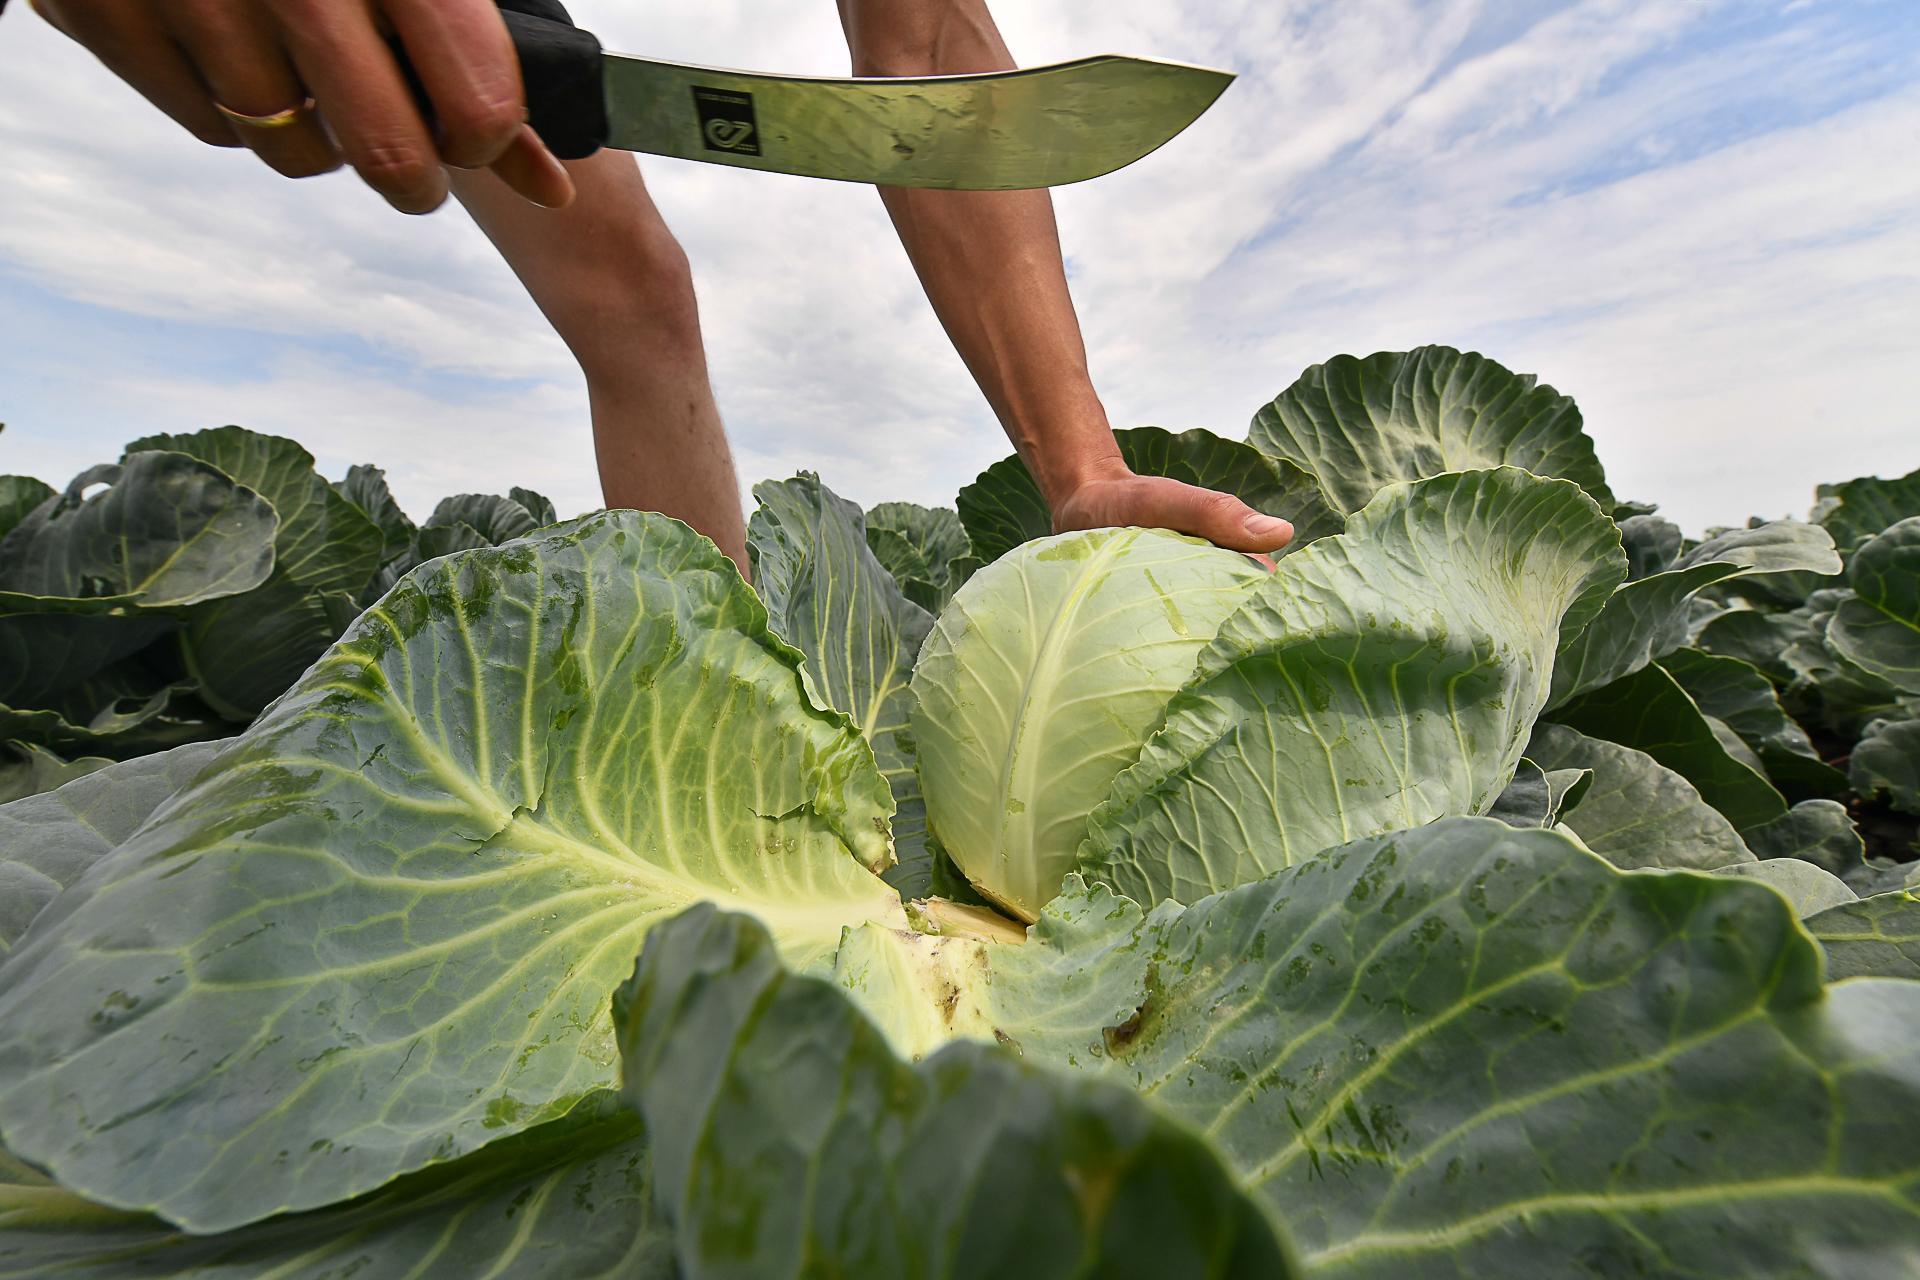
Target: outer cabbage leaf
pixel 1003 508
pixel 19 495
pixel 168 530
pixel 1041 680
pixel 1887 761
pixel 365 486
pixel 828 596
pixel 1877 937
pixel 493 517
pixel 1807 889
pixel 1648 618
pixel 1465 1048
pixel 35 770
pixel 47 841
pixel 568 1199
pixel 438 540
pixel 245 651
pixel 1761 640
pixel 790 1140
pixel 1829 688
pixel 1878 628
pixel 1361 424
pixel 1740 696
pixel 118 713
pixel 1858 509
pixel 324 542
pixel 1540 797
pixel 536 504
pixel 44 655
pixel 1650 712
pixel 1819 831
pixel 924 548
pixel 1377 680
pixel 1638 813
pixel 381 929
pixel 1652 544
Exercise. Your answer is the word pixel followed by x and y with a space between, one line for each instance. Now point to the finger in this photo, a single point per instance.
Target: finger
pixel 339 54
pixel 240 58
pixel 1220 518
pixel 530 169
pixel 464 58
pixel 130 42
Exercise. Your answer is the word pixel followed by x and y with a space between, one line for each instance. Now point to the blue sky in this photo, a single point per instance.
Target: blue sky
pixel 1700 219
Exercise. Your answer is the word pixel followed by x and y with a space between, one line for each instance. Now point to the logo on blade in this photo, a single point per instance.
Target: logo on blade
pixel 726 121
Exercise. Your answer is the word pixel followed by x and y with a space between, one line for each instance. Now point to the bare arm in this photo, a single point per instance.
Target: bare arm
pixel 991 266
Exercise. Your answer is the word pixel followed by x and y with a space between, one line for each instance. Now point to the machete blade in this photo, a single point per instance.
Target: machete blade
pixel 1002 131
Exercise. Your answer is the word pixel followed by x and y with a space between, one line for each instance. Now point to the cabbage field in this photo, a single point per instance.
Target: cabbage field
pixel 1507 885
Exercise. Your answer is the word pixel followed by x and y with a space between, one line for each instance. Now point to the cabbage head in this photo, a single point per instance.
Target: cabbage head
pixel 1043 677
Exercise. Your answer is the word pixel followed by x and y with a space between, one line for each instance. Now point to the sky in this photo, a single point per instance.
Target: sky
pixel 1699 218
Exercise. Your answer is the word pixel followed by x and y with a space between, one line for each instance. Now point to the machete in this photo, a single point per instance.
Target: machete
pixel 999 131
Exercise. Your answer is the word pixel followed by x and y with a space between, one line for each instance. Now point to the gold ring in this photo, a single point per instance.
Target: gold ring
pixel 274 120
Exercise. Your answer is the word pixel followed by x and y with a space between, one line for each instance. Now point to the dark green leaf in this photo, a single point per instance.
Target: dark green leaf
pixel 45 654
pixel 18 496
pixel 1527 800
pixel 168 530
pixel 1816 831
pixel 435 541
pixel 245 651
pixel 28 770
pixel 1858 509
pixel 494 518
pixel 325 542
pixel 1879 628
pixel 1647 619
pixel 366 487
pixel 1758 639
pixel 1877 937
pixel 1650 712
pixel 120 712
pixel 1638 813
pixel 1742 697
pixel 537 505
pixel 1652 545
pixel 1887 762
pixel 1540 798
pixel 567 1200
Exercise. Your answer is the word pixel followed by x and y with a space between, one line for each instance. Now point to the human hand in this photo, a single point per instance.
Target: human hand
pixel 268 59
pixel 1117 497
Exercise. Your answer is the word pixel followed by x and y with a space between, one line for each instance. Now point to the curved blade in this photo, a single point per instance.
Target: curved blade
pixel 1009 130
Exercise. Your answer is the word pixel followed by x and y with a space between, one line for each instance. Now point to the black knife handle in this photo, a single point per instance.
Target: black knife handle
pixel 561 69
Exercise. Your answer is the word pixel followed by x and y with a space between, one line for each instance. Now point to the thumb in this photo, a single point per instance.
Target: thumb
pixel 1223 520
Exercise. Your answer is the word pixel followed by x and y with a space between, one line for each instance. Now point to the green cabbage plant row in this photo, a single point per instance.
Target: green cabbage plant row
pixel 1505 886
pixel 169 597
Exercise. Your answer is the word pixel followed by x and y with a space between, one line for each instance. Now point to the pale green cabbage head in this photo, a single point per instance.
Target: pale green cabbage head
pixel 1044 675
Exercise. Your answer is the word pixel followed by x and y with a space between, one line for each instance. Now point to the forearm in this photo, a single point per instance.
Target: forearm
pixel 990 261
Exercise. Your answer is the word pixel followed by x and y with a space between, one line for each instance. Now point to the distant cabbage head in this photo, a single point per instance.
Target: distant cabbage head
pixel 1042 679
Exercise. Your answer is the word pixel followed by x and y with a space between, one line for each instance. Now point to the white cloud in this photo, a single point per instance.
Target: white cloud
pixel 1548 183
